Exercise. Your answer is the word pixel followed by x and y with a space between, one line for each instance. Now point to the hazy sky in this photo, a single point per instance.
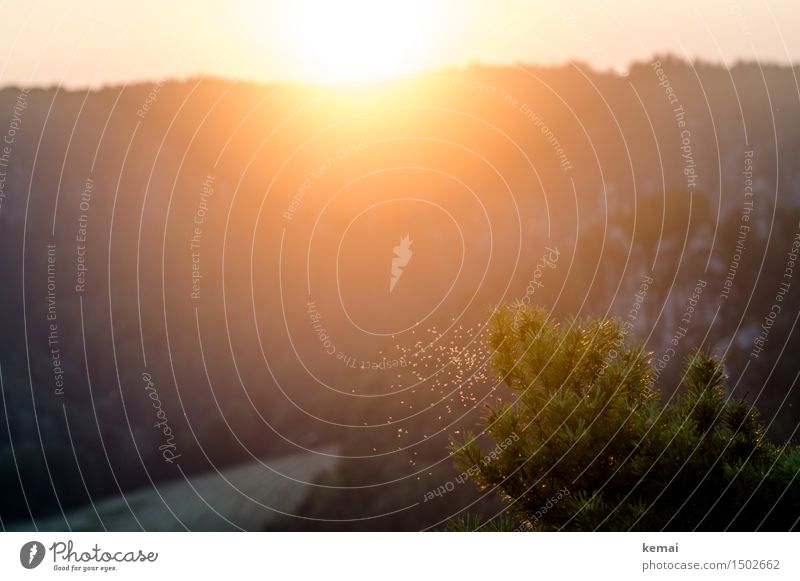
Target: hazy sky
pixel 97 42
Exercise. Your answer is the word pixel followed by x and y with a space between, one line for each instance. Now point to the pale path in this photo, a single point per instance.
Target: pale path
pixel 253 480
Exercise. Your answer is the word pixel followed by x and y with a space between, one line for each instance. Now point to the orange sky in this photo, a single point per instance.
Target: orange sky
pixel 97 42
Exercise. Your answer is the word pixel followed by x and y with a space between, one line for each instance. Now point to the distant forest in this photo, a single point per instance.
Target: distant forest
pixel 225 249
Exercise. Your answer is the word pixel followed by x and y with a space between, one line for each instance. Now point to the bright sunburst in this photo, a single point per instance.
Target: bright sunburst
pixel 359 40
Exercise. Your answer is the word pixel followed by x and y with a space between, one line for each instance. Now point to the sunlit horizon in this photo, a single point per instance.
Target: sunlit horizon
pixel 92 44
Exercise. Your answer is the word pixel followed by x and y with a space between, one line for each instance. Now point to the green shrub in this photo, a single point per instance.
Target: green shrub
pixel 590 447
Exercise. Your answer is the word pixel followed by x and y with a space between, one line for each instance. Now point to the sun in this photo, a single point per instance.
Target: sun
pixel 335 41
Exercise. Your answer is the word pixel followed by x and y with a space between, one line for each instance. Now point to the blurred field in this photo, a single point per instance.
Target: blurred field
pixel 226 501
